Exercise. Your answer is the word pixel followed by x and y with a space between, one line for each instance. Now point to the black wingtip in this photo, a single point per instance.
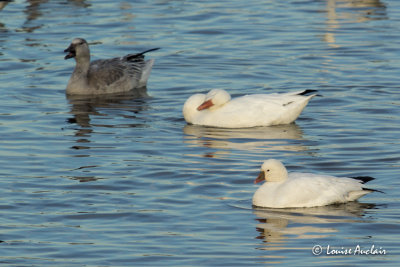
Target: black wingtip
pixel 373 190
pixel 141 54
pixel 364 179
pixel 144 52
pixel 307 91
pixel 151 50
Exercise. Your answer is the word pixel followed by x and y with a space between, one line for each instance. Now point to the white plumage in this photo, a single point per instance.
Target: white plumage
pixel 289 190
pixel 217 109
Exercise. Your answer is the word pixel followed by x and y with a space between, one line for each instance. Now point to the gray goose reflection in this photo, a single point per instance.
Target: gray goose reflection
pixel 121 107
pixel 83 107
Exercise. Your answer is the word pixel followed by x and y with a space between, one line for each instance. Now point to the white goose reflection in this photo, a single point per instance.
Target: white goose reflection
pixel 276 226
pixel 341 11
pixel 280 137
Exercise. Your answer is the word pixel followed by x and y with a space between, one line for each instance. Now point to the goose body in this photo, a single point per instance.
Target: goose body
pixel 289 190
pixel 217 109
pixel 106 76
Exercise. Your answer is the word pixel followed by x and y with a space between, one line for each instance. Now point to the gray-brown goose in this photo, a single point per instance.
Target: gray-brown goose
pixel 105 76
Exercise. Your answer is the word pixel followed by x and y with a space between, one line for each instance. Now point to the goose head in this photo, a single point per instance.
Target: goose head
pixel 78 49
pixel 215 99
pixel 272 170
pixel 190 107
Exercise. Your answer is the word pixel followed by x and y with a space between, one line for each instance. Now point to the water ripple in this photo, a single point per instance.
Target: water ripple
pixel 122 180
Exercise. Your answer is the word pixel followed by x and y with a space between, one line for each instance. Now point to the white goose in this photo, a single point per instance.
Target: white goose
pixel 283 190
pixel 106 76
pixel 217 109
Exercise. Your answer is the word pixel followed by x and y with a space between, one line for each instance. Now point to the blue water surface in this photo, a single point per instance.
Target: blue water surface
pixel 124 181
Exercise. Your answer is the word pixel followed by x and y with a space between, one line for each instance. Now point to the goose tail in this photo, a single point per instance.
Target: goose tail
pixel 146 72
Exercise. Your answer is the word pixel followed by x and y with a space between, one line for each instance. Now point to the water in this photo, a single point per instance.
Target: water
pixel 124 181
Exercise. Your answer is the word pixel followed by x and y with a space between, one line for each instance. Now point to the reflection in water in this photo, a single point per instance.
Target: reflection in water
pixel 2 27
pixel 278 137
pixel 280 225
pixel 350 11
pixel 4 3
pixel 82 107
pixel 127 105
pixel 34 11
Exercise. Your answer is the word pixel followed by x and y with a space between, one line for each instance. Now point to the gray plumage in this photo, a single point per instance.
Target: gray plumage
pixel 106 76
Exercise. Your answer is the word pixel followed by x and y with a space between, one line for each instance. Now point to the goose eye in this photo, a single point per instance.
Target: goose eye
pixel 268 170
